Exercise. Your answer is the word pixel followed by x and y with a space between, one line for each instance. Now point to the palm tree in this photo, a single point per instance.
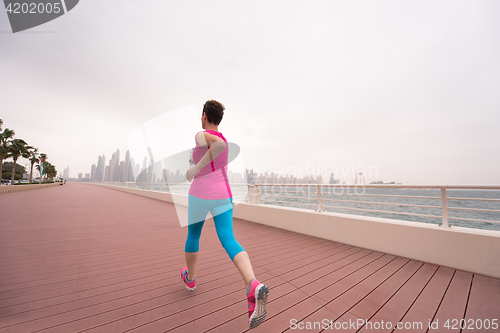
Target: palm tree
pixel 16 149
pixel 5 138
pixel 51 171
pixel 33 159
pixel 38 168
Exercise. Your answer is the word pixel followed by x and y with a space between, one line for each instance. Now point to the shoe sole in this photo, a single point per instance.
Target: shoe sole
pixel 188 288
pixel 260 312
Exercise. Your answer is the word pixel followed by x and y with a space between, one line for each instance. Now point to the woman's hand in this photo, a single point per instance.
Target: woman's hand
pixel 191 173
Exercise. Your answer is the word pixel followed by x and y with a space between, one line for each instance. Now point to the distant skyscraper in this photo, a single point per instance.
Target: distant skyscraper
pixel 128 168
pixel 112 168
pixel 359 178
pixel 129 174
pixel 121 176
pixel 66 173
pixel 117 166
pixel 93 173
pixel 132 169
pixel 250 176
pixel 96 176
pixel 101 162
pixel 137 170
pixel 103 165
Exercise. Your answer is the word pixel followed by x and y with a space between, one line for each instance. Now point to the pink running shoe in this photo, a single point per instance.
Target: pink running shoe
pixel 190 285
pixel 257 303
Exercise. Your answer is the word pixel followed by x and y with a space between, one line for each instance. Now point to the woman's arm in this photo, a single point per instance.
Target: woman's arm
pixel 217 146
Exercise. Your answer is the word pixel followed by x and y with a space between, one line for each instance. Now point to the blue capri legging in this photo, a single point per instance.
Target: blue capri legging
pixel 222 212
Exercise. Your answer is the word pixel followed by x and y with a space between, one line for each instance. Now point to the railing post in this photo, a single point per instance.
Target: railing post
pixel 253 194
pixel 444 200
pixel 320 199
pixel 249 193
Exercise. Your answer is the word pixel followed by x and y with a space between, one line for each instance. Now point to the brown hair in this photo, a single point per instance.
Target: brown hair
pixel 214 111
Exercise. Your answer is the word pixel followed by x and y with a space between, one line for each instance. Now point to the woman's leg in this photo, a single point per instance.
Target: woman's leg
pixel 257 292
pixel 223 220
pixel 191 260
pixel 242 262
pixel 197 211
pixel 192 247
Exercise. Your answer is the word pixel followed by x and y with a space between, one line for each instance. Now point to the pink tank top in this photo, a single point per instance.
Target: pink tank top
pixel 211 182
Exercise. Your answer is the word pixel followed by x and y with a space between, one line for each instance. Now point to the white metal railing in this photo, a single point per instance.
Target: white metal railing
pixel 321 200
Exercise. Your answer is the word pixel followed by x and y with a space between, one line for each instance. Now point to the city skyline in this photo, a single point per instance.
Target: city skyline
pixel 125 171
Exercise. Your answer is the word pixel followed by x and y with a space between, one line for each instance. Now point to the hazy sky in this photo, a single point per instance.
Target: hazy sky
pixel 406 90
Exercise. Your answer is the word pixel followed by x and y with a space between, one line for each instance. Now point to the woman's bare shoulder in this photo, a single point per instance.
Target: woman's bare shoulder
pixel 200 139
pixel 203 137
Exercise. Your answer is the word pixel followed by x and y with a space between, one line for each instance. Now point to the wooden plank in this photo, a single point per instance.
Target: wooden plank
pixel 394 310
pixel 425 306
pixel 483 310
pixel 455 300
pixel 373 300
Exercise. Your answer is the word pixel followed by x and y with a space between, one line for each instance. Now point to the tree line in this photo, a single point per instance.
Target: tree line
pixel 13 148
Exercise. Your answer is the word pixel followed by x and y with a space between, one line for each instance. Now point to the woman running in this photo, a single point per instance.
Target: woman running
pixel 210 191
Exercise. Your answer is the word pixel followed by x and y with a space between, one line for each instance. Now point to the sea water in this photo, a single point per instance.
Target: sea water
pixel 306 197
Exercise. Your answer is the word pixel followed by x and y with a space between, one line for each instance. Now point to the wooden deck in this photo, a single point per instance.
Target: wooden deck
pixel 79 258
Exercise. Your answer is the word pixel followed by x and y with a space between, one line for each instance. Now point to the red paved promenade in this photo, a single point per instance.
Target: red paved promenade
pixel 84 258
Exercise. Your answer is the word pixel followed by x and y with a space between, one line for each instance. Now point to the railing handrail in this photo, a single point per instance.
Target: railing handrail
pixel 255 196
pixel 463 187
